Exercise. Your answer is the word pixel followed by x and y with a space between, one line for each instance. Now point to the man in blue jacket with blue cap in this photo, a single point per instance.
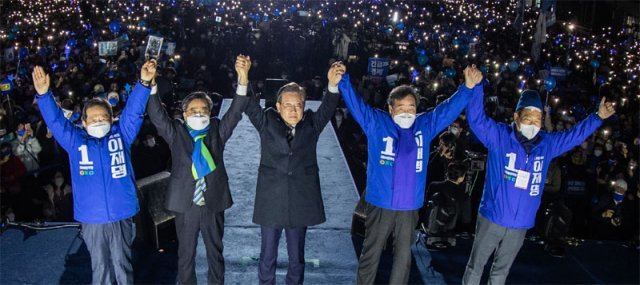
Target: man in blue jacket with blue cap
pixel 104 187
pixel 519 156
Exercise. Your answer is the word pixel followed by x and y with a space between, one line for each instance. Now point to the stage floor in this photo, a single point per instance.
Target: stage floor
pixel 57 256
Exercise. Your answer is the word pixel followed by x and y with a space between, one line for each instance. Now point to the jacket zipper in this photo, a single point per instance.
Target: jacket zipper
pixel 106 199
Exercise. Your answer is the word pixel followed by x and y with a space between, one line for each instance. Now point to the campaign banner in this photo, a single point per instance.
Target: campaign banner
pixel 378 67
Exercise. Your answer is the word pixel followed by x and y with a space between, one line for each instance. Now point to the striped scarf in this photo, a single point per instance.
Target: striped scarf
pixel 203 163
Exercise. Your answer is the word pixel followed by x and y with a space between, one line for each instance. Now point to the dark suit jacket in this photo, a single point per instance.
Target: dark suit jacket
pixel 288 189
pixel 175 133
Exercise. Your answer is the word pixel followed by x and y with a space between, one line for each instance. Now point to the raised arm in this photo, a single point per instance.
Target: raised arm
pixel 61 128
pixel 231 118
pixel 485 128
pixel 446 112
pixel 331 98
pixel 133 113
pixel 253 109
pixel 159 117
pixel 564 141
pixel 255 112
pixel 361 111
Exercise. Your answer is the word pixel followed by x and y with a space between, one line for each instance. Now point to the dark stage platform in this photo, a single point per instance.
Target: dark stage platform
pixel 59 256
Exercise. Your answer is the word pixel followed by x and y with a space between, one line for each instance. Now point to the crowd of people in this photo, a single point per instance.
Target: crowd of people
pixel 428 44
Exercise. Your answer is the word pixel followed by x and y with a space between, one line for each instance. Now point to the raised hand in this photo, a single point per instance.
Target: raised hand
pixel 243 64
pixel 606 109
pixel 472 76
pixel 477 75
pixel 468 80
pixel 148 71
pixel 41 80
pixel 335 73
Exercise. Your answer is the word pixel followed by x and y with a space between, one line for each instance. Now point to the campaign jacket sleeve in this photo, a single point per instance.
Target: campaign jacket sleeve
pixel 231 118
pixel 326 110
pixel 133 113
pixel 445 113
pixel 62 129
pixel 159 117
pixel 363 113
pixel 486 129
pixel 561 142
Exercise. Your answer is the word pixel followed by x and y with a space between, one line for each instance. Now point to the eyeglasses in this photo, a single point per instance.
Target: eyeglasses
pixel 197 111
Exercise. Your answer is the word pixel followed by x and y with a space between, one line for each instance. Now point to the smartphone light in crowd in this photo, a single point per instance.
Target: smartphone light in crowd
pixel 613 183
pixel 564 113
pixel 556 100
pixel 376 56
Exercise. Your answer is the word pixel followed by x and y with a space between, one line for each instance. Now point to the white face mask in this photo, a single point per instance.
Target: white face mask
pixel 151 142
pixel 59 181
pixel 529 131
pixel 67 113
pixel 455 131
pixel 609 147
pixel 98 130
pixel 198 122
pixel 597 153
pixel 404 120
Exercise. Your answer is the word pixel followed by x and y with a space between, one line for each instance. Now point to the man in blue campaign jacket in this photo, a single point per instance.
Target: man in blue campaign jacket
pixel 104 189
pixel 519 155
pixel 396 170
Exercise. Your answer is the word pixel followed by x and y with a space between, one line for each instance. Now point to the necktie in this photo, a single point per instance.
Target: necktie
pixel 289 135
pixel 198 194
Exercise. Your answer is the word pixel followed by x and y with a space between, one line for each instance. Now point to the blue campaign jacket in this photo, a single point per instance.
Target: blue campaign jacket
pixel 502 202
pixel 382 136
pixel 102 178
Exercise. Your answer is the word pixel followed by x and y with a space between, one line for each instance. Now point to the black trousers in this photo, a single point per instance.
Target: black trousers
pixel 379 224
pixel 269 254
pixel 188 224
